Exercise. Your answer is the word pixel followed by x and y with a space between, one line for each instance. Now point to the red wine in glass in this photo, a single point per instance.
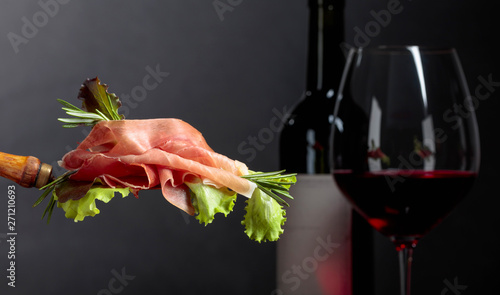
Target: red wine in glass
pixel 402 152
pixel 405 203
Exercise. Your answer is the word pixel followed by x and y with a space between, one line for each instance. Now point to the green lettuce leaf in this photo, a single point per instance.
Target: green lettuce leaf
pixel 264 217
pixel 208 200
pixel 85 206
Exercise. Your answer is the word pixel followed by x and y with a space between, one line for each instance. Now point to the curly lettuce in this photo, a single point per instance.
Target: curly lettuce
pixel 264 218
pixel 208 200
pixel 86 206
pixel 265 214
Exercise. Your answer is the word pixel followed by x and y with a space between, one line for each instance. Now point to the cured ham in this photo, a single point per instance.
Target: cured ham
pixel 121 156
pixel 156 153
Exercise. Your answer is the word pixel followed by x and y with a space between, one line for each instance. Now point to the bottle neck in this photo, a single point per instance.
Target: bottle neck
pixel 326 34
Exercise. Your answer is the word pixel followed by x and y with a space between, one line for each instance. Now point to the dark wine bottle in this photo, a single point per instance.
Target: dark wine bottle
pixel 304 140
pixel 319 213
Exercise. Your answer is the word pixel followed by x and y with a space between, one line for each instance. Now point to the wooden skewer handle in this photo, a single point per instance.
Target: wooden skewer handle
pixel 27 171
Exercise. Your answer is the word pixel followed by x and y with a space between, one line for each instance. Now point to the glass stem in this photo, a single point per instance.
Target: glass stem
pixel 405 249
pixel 405 260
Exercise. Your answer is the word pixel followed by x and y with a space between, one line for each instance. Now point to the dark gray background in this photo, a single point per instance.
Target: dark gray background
pixel 227 73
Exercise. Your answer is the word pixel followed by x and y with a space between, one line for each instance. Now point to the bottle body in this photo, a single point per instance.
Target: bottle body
pixel 314 252
pixel 304 139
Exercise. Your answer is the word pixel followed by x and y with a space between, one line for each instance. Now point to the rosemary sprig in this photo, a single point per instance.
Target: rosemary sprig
pixel 273 184
pixel 98 105
pixel 49 188
pixel 81 117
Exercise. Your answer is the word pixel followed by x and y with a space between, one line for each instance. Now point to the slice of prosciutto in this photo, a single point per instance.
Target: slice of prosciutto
pixel 147 154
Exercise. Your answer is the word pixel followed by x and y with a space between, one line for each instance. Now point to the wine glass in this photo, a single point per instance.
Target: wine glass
pixel 405 144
